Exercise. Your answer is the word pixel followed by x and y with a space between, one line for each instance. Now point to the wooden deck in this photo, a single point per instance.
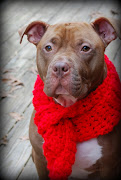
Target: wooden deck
pixel 18 70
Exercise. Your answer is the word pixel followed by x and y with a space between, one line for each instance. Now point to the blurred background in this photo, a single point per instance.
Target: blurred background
pixel 18 71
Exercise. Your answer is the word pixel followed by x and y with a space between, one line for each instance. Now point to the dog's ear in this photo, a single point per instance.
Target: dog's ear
pixel 34 31
pixel 108 29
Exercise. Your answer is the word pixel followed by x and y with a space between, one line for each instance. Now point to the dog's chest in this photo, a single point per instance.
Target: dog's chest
pixel 87 154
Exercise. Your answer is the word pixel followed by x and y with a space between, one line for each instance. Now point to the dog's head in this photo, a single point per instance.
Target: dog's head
pixel 70 56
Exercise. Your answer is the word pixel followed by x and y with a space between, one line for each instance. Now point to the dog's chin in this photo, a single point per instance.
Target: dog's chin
pixel 63 96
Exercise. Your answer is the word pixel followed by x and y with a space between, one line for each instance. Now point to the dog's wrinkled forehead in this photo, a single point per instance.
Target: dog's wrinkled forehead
pixel 70 32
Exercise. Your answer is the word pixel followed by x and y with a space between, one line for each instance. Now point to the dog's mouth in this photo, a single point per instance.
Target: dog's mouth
pixel 65 100
pixel 65 90
pixel 63 97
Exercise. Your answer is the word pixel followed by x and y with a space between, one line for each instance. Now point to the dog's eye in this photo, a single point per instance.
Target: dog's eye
pixel 48 48
pixel 85 48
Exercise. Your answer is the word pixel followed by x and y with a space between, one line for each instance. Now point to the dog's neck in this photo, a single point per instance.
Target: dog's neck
pixel 100 80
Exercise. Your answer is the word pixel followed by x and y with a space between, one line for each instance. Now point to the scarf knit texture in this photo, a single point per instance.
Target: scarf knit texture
pixel 62 128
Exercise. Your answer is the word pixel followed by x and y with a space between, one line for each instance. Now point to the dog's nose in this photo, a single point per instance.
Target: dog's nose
pixel 60 69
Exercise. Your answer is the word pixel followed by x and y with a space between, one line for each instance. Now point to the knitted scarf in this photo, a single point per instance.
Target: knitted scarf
pixel 88 118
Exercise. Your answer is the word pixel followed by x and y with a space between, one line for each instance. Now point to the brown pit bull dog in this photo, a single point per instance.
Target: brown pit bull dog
pixel 62 48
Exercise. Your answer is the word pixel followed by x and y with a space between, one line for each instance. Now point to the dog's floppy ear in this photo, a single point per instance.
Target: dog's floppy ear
pixel 108 29
pixel 34 31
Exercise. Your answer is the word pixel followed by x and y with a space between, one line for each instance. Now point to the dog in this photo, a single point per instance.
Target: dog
pixel 80 47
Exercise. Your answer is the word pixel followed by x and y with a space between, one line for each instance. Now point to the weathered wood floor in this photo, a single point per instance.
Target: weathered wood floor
pixel 18 72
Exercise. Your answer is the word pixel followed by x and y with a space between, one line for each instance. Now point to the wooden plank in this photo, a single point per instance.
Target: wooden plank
pixel 117 61
pixel 24 13
pixel 7 9
pixel 88 8
pixel 18 104
pixel 67 12
pixel 107 7
pixel 17 152
pixel 112 49
pixel 29 171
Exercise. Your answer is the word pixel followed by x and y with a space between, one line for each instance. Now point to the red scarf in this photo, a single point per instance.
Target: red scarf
pixel 88 118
